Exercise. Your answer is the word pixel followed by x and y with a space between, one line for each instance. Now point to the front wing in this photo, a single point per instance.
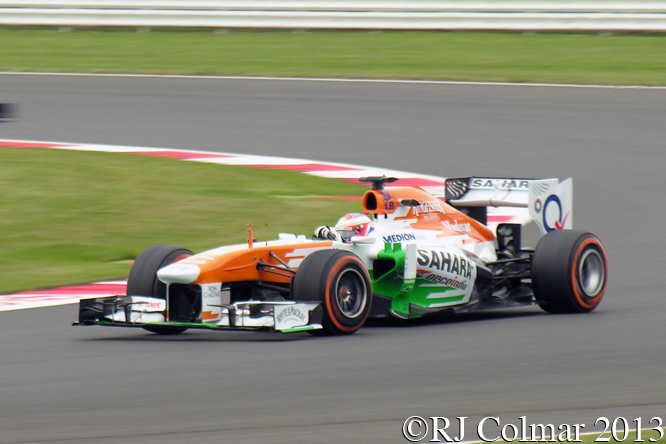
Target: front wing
pixel 141 311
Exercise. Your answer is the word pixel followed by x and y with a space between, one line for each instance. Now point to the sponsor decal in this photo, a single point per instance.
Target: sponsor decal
pixel 551 204
pixel 148 304
pixel 455 188
pixel 455 226
pixel 212 292
pixel 443 261
pixel 291 314
pixel 433 206
pixel 559 220
pixel 386 195
pixel 400 237
pixel 389 201
pixel 214 295
pixel 502 184
pixel 441 280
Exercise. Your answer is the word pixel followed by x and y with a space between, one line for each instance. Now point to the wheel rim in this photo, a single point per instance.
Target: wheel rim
pixel 591 273
pixel 350 293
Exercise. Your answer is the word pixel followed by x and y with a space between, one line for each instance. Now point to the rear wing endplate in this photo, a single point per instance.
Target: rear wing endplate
pixel 548 202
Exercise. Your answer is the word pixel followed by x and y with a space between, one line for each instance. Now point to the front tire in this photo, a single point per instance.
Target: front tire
pixel 340 281
pixel 569 272
pixel 142 280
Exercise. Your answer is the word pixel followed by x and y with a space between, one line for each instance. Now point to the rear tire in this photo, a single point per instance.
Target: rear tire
pixel 340 281
pixel 569 272
pixel 142 280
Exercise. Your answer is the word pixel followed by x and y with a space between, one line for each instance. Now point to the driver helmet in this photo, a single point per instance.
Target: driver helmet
pixel 353 224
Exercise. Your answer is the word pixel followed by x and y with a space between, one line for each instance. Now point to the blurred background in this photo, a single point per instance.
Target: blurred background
pixel 445 88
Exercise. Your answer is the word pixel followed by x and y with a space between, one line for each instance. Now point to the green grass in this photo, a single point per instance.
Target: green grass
pixel 646 435
pixel 587 58
pixel 66 217
pixel 591 438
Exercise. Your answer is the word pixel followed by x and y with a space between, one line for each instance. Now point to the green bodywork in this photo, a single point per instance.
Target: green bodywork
pixel 407 294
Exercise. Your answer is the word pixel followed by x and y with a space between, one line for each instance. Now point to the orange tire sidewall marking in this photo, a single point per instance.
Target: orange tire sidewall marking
pixel 594 301
pixel 329 283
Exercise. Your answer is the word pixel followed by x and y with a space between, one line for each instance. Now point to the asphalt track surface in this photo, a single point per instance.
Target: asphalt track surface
pixel 61 384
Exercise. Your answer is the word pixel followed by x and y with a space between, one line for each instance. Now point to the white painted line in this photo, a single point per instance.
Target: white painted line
pixel 52 302
pixel 355 174
pixel 325 79
pixel 108 149
pixel 250 160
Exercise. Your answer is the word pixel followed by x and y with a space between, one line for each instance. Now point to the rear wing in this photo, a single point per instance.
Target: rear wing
pixel 548 202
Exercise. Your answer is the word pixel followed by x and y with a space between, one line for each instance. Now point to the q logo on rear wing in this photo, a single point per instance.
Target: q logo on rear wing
pixel 550 204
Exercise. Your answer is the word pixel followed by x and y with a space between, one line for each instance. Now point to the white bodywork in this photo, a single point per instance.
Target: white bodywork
pixel 547 202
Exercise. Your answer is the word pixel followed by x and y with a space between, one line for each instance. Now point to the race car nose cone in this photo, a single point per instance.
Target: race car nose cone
pixel 178 274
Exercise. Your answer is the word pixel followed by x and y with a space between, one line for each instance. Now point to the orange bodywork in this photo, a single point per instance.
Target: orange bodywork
pixel 430 213
pixel 239 263
pixel 388 208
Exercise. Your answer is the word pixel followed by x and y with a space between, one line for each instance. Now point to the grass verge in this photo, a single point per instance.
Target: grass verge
pixel 511 57
pixel 71 217
pixel 646 436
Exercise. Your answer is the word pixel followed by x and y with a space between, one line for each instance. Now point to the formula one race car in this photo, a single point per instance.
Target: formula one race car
pixel 415 255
